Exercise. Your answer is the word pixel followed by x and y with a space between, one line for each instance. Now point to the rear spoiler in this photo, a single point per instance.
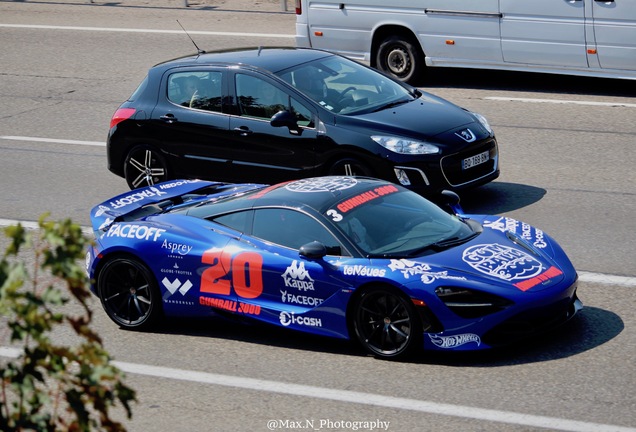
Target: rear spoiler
pixel 118 207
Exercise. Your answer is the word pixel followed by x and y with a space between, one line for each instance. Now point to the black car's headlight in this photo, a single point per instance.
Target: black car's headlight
pixel 483 122
pixel 404 145
pixel 469 303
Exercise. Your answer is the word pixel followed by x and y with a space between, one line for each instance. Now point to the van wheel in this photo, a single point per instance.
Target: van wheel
pixel 400 58
pixel 145 166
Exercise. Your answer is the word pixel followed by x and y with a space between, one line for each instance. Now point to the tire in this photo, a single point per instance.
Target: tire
pixel 145 166
pixel 350 167
pixel 129 293
pixel 401 59
pixel 386 324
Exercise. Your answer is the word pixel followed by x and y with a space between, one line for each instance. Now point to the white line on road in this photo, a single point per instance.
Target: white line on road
pixel 558 101
pixel 136 30
pixel 347 396
pixel 53 140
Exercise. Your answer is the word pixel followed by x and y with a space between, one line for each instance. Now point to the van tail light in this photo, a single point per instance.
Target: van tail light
pixel 299 7
pixel 120 115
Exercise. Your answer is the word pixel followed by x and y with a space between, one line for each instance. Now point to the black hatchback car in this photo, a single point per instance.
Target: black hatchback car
pixel 274 114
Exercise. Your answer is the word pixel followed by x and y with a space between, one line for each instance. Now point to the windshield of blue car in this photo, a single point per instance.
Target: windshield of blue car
pixel 346 87
pixel 398 224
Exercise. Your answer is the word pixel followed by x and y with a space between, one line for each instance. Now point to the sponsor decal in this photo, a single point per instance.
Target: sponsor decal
pixel 360 270
pixel 288 318
pixel 504 224
pixel 176 248
pixel 133 231
pixel 502 262
pixel 176 183
pixel 411 268
pixel 287 297
pixel 326 184
pixel 106 223
pixel 466 134
pixel 176 270
pixel 230 305
pixel 101 210
pixel 296 276
pixel 241 273
pixel 137 196
pixel 550 273
pixel 365 197
pixel 173 287
pixel 455 340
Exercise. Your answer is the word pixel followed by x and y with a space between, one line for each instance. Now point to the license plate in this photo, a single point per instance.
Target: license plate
pixel 475 160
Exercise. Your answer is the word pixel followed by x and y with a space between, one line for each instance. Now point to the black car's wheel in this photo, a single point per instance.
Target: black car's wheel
pixel 387 324
pixel 129 293
pixel 401 58
pixel 349 167
pixel 145 166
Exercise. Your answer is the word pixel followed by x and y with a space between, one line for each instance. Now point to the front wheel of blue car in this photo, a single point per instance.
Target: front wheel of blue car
pixel 387 324
pixel 129 293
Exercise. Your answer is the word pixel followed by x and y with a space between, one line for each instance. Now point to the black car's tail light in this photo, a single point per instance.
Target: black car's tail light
pixel 468 303
pixel 120 115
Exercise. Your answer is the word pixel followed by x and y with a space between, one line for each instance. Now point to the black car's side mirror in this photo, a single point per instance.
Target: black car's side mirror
pixel 313 249
pixel 286 119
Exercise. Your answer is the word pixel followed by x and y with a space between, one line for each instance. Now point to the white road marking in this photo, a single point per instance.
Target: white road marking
pixel 53 140
pixel 347 396
pixel 137 30
pixel 559 101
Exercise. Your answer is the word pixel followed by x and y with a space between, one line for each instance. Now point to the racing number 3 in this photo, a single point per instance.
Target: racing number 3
pixel 244 272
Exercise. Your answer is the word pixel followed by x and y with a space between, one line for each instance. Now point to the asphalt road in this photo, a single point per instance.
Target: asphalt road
pixel 567 153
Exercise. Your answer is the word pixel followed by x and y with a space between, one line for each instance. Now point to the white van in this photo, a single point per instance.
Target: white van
pixel 400 37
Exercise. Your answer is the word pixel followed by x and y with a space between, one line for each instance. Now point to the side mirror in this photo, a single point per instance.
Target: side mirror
pixel 285 119
pixel 313 250
pixel 451 200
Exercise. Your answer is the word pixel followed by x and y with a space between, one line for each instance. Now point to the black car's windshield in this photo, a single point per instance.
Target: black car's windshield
pixel 398 224
pixel 346 87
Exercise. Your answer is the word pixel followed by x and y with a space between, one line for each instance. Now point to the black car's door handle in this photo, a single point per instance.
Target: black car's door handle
pixel 168 118
pixel 243 130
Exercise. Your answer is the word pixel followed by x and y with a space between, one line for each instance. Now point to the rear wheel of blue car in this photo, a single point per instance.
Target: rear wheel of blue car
pixel 387 324
pixel 145 166
pixel 129 293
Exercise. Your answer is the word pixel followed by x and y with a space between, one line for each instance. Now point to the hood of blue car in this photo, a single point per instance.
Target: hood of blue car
pixel 500 258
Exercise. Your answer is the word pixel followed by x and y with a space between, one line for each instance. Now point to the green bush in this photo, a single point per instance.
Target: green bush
pixel 51 387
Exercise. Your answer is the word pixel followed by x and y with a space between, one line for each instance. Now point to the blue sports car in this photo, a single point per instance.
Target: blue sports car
pixel 346 257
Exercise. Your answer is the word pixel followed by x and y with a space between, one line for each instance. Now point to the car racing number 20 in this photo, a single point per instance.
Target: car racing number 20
pixel 242 272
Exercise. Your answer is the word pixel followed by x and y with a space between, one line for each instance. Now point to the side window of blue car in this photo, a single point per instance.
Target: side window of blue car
pixel 197 90
pixel 292 229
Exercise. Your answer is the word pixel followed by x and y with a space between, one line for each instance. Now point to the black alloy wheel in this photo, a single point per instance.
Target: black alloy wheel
pixel 145 167
pixel 387 324
pixel 402 59
pixel 129 293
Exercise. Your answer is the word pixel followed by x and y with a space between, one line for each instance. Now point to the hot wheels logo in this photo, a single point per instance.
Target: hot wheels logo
pixel 454 341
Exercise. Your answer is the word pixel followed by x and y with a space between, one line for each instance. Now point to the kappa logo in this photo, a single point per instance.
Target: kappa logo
pixel 467 135
pixel 296 276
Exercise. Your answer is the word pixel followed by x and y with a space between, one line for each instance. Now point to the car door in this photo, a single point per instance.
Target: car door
pixel 615 33
pixel 189 122
pixel 544 32
pixel 294 285
pixel 262 152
